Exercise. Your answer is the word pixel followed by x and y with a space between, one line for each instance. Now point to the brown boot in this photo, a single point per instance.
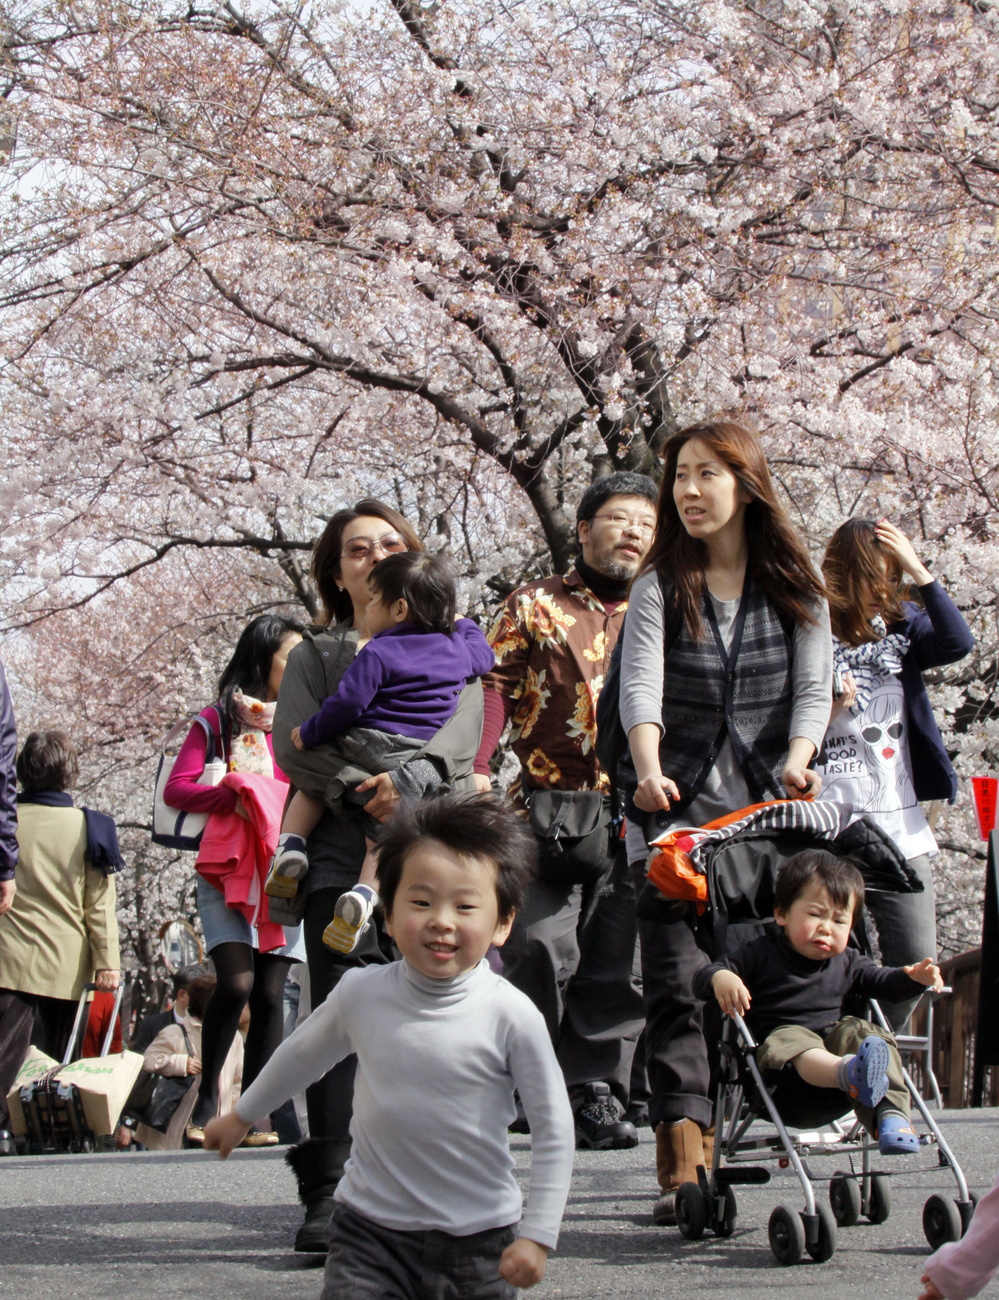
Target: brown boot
pixel 679 1150
pixel 708 1143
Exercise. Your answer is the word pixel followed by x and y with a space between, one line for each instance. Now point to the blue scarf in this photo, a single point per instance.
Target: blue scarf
pixel 871 662
pixel 102 838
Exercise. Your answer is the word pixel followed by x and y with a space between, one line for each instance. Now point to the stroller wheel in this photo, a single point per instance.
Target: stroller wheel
pixel 725 1225
pixel 967 1209
pixel 844 1197
pixel 941 1221
pixel 691 1211
pixel 880 1206
pixel 825 1246
pixel 787 1235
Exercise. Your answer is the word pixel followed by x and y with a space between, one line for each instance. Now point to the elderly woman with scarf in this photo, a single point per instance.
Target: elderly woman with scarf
pixel 883 752
pixel 60 932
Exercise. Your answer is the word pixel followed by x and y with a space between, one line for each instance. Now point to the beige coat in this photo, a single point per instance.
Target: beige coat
pixel 61 927
pixel 167 1054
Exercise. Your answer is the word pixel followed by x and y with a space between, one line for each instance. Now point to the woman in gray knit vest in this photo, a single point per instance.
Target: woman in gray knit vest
pixel 726 687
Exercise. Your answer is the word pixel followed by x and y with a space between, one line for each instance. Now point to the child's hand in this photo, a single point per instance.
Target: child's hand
pixel 296 738
pixel 732 994
pixel 225 1133
pixel 523 1263
pixel 926 972
pixel 929 1291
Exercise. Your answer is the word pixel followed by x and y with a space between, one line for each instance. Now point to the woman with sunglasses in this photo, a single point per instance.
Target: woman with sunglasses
pixel 354 540
pixel 883 752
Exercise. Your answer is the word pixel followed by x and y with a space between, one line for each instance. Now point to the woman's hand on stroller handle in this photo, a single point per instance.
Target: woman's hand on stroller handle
pixel 733 996
pixel 926 972
pixel 801 782
pixel 655 792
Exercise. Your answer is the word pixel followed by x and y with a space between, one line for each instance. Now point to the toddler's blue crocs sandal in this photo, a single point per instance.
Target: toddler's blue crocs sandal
pixel 867 1073
pixel 896 1136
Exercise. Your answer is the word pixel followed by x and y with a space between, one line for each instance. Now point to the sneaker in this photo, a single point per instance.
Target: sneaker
pixel 867 1072
pixel 289 865
pixel 350 918
pixel 896 1136
pixel 598 1125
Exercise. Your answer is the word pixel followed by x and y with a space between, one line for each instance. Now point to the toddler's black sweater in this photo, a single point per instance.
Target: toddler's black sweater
pixel 789 989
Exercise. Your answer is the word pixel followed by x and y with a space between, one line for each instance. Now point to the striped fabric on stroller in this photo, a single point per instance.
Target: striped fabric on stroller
pixel 729 869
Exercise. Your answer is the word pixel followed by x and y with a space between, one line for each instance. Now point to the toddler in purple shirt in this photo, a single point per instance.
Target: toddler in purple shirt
pixel 402 687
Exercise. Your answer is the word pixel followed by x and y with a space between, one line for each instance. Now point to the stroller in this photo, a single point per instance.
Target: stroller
pixel 729 869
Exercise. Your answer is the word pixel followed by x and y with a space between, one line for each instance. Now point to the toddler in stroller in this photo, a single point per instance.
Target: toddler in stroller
pixel 791 984
pixel 778 904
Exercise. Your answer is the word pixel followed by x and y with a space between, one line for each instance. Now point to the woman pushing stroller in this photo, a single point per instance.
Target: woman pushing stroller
pixel 726 687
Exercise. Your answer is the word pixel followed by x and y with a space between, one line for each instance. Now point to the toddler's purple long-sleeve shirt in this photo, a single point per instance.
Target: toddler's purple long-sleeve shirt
pixel 404 681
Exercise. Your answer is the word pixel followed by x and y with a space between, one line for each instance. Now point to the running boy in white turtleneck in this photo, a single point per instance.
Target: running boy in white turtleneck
pixel 442 1043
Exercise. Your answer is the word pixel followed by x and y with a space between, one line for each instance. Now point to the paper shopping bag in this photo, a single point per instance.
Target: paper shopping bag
pixel 104 1083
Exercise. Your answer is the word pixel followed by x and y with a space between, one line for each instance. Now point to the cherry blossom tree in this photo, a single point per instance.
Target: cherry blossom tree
pixel 260 260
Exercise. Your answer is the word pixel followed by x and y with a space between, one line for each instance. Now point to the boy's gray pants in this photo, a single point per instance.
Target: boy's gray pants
pixel 368 1262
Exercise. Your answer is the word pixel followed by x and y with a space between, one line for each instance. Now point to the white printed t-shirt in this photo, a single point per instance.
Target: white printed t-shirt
pixel 864 763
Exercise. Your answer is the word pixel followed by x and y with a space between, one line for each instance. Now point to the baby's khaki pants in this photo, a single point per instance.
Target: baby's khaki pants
pixel 786 1042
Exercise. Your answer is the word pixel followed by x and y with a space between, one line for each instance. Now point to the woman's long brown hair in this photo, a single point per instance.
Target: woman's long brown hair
pixel 855 560
pixel 778 558
pixel 337 604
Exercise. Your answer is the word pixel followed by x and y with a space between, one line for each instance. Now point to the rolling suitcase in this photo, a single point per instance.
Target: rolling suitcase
pixel 54 1116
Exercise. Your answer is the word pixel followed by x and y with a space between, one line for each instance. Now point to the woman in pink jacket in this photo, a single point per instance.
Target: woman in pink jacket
pixel 241 726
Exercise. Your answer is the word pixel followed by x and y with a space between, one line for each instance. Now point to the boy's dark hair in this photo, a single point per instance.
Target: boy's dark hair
pixel 473 825
pixel 199 991
pixel 48 761
pixel 623 484
pixel 425 582
pixel 838 876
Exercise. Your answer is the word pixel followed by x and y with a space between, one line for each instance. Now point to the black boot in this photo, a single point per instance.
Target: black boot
pixel 318 1166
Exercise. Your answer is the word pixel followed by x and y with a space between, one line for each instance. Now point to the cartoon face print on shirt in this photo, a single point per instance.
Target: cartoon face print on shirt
pixel 865 756
pixel 882 733
pixel 889 738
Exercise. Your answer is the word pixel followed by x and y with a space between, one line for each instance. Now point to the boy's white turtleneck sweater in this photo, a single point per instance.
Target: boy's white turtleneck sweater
pixel 437 1065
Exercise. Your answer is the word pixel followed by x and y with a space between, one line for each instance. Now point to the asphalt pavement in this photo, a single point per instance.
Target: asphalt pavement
pixel 144 1226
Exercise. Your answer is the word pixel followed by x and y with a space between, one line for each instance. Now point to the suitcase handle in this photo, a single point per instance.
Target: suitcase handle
pixel 106 1046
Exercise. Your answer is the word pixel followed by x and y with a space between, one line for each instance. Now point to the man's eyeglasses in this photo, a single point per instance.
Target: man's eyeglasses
pixel 359 548
pixel 626 521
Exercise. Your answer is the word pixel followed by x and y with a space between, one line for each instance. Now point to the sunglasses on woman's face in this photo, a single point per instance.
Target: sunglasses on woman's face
pixel 359 548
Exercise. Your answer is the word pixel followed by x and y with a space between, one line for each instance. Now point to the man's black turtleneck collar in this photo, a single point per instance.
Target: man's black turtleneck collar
pixel 605 589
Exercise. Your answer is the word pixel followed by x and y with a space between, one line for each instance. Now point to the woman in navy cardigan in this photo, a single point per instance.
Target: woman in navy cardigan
pixel 883 752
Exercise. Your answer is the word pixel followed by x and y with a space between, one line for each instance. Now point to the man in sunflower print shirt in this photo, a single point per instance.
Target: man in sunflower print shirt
pixel 573 948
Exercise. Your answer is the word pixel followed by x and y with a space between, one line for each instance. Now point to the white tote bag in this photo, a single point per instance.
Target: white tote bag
pixel 172 827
